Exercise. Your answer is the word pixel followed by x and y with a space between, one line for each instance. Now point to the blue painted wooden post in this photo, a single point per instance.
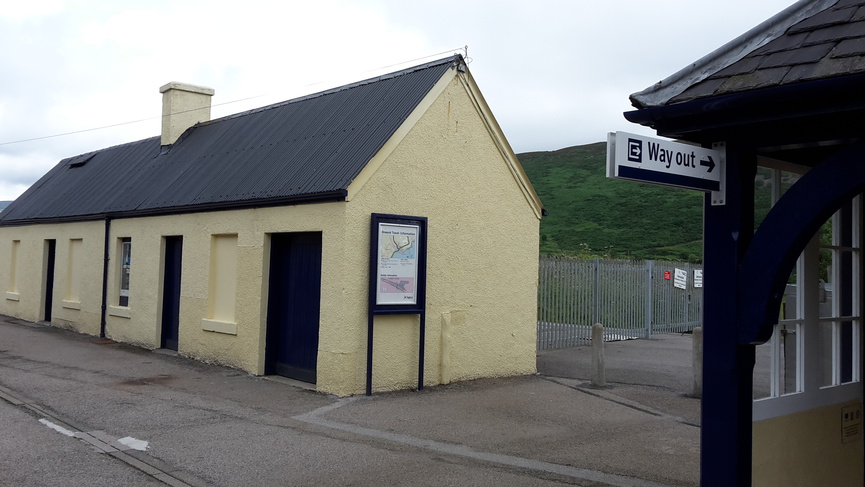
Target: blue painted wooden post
pixel 725 451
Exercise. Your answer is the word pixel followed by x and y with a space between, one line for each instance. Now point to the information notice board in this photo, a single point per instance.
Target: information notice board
pixel 397 275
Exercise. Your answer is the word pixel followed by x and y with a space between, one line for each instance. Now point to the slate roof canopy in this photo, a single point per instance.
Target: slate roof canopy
pixel 787 89
pixel 303 150
pixel 810 40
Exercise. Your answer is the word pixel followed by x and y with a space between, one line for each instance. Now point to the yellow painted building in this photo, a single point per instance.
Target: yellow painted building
pixel 245 241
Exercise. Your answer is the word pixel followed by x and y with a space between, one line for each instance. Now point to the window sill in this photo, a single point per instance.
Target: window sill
pixel 219 326
pixel 71 304
pixel 12 296
pixel 119 311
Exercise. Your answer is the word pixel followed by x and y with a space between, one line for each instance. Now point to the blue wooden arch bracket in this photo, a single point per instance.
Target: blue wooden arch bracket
pixel 783 235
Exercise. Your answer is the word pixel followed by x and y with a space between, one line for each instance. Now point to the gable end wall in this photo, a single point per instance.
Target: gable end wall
pixel 482 255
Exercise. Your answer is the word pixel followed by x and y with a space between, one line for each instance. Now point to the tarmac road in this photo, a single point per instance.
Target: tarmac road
pixel 79 411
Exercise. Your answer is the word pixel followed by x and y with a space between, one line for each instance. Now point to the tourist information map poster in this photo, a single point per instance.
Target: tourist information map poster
pixel 397 270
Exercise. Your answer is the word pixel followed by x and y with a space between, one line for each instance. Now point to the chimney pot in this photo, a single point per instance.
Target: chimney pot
pixel 183 105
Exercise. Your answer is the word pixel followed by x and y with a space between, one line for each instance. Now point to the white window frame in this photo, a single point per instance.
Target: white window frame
pixel 124 276
pixel 809 392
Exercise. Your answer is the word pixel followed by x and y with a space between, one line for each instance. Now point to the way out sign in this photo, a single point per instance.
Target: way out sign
pixel 659 161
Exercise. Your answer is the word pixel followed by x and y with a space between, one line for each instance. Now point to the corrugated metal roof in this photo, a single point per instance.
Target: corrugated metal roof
pixel 306 149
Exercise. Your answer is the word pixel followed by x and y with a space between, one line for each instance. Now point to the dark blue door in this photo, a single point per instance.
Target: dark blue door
pixel 171 292
pixel 293 302
pixel 50 246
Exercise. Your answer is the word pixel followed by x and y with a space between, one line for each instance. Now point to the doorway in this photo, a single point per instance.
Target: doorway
pixel 293 302
pixel 172 266
pixel 48 279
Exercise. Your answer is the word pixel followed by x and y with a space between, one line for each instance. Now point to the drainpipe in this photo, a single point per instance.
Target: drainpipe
pixel 105 278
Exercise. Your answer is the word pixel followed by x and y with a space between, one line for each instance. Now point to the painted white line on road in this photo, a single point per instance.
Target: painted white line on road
pixel 57 427
pixel 133 443
pixel 98 438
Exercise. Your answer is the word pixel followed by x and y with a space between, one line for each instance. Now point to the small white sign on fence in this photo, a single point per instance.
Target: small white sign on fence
pixel 698 277
pixel 680 278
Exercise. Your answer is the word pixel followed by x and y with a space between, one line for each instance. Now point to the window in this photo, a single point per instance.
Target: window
pixel 813 358
pixel 840 314
pixel 125 260
pixel 779 361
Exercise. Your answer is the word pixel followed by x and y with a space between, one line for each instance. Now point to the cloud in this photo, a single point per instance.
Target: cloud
pixel 20 171
pixel 556 73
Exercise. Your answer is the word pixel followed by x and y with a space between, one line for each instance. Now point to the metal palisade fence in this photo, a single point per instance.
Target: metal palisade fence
pixel 632 299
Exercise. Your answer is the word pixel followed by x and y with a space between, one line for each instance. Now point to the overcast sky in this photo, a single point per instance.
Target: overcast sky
pixel 555 73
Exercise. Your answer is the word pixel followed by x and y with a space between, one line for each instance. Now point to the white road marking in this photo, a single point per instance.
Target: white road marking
pixel 133 443
pixel 57 428
pixel 98 438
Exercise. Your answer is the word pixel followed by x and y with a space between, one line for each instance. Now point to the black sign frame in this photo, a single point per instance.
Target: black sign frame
pixel 415 269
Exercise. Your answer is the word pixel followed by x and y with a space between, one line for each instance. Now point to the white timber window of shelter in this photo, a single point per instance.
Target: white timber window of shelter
pixel 813 358
pixel 125 262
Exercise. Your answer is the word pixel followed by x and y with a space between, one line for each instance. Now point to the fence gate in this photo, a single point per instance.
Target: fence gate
pixel 632 299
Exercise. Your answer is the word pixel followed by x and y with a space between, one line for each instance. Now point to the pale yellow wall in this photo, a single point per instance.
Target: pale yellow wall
pixel 202 336
pixel 239 344
pixel 806 449
pixel 79 310
pixel 482 264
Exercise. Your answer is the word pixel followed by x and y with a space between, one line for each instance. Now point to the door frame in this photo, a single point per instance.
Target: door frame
pixel 271 335
pixel 173 301
pixel 48 271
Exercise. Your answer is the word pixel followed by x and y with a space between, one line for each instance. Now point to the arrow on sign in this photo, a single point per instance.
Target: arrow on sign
pixel 710 163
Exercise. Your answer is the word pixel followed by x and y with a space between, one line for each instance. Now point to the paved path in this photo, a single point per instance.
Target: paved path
pixel 76 410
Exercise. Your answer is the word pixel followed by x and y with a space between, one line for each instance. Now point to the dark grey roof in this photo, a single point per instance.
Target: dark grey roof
pixel 303 150
pixel 811 40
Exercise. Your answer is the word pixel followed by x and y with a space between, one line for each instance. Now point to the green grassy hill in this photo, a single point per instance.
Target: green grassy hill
pixel 590 215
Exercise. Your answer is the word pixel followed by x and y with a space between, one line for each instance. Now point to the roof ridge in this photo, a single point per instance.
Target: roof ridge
pixel 456 59
pixel 731 52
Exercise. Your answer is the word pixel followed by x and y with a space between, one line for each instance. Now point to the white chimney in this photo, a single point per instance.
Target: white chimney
pixel 183 106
